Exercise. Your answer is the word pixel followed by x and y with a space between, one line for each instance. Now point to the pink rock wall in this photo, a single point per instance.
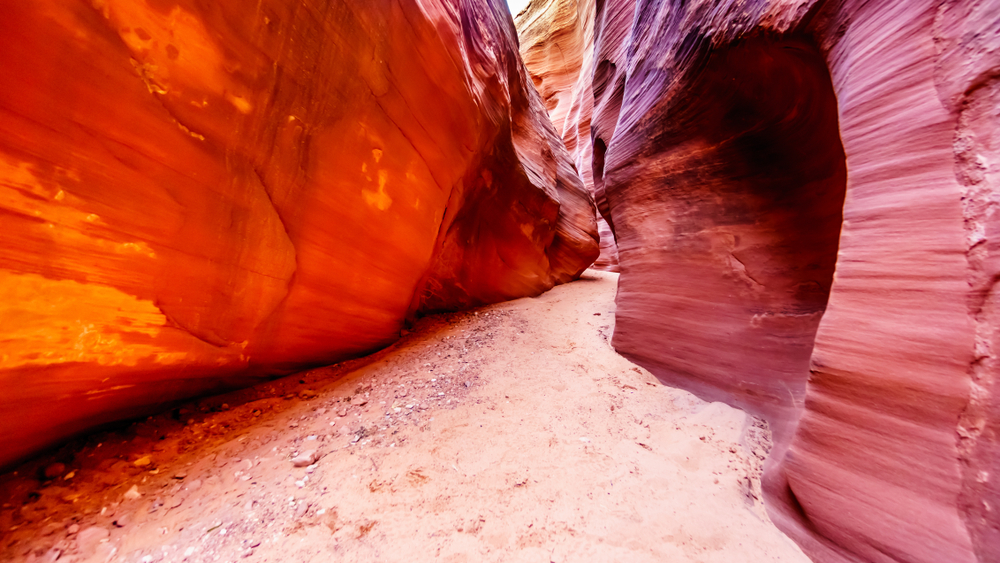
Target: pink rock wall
pixel 196 193
pixel 557 45
pixel 803 196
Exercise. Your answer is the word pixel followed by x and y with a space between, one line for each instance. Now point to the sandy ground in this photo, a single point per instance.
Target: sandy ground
pixel 512 433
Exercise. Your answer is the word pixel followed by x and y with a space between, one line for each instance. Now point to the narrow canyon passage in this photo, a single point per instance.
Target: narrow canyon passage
pixel 510 433
pixel 801 198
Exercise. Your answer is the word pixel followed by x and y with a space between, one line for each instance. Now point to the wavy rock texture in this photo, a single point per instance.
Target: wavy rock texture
pixel 804 195
pixel 193 192
pixel 557 39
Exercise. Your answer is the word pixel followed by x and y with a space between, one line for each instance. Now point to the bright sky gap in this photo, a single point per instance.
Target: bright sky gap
pixel 516 5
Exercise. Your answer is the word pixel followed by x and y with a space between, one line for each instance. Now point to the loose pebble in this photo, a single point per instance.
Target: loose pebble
pixel 301 510
pixel 54 470
pixel 305 459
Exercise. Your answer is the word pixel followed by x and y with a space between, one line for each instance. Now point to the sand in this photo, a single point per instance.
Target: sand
pixel 510 433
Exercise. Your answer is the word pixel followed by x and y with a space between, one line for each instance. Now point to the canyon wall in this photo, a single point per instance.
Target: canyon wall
pixel 803 197
pixel 198 193
pixel 557 39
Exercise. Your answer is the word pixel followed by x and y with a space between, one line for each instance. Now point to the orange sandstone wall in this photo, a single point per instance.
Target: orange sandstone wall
pixel 196 192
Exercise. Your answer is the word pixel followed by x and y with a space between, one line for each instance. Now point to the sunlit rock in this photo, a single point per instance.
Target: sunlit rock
pixel 195 193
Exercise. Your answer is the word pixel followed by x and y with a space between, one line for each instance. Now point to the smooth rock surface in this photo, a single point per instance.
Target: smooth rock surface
pixel 803 195
pixel 197 193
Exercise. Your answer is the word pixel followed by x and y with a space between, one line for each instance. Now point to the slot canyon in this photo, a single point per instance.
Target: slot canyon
pixel 452 280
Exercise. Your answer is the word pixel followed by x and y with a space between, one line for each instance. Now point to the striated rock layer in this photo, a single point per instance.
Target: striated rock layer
pixel 803 196
pixel 195 192
pixel 557 38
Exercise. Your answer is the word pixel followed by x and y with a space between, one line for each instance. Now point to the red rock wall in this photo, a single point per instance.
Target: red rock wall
pixel 803 196
pixel 193 192
pixel 557 45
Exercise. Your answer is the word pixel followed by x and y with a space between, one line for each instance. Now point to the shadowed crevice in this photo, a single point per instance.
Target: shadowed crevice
pixel 730 268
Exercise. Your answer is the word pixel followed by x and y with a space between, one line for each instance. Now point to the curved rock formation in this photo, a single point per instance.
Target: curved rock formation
pixel 803 197
pixel 193 193
pixel 557 38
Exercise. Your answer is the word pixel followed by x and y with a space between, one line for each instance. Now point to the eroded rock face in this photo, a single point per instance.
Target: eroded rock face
pixel 803 196
pixel 195 192
pixel 557 40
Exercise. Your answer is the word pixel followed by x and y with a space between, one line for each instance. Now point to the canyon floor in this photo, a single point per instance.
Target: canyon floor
pixel 510 433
